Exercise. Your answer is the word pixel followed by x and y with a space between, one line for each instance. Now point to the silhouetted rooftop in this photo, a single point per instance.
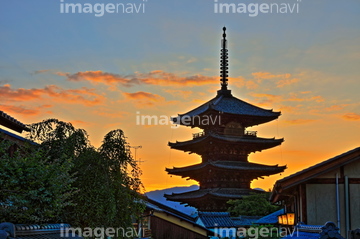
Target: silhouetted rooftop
pixel 11 123
pixel 228 104
pixel 231 165
pixel 262 143
pixel 234 193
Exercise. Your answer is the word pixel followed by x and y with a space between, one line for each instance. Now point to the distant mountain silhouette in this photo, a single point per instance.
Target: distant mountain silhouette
pixel 158 195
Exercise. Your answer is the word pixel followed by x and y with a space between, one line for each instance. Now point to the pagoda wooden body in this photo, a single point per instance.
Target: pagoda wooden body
pixel 224 145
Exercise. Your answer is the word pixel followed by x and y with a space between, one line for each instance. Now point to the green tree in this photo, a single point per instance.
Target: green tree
pixel 256 204
pixel 107 178
pixel 34 187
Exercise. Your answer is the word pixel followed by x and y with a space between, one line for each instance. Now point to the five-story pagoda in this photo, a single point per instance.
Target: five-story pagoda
pixel 224 146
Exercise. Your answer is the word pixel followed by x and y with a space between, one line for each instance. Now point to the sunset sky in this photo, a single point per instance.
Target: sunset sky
pixel 100 72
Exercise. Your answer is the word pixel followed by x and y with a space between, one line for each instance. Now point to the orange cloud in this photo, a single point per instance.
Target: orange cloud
pixel 159 77
pixel 335 107
pixel 143 95
pixel 351 116
pixel 165 78
pixel 284 79
pixel 251 85
pixel 83 95
pixel 110 113
pixel 151 78
pixel 11 109
pixel 144 99
pixel 294 97
pixel 268 98
pixel 6 93
pixel 80 122
pixel 241 82
pixel 285 82
pixel 99 77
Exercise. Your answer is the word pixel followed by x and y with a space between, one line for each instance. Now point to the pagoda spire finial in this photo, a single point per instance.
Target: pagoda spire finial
pixel 224 62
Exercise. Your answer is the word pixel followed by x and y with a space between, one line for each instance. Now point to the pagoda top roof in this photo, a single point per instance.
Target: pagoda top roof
pixel 225 103
pixel 230 165
pixel 226 193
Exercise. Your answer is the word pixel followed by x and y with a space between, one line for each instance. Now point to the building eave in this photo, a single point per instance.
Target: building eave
pixel 11 123
pixel 314 171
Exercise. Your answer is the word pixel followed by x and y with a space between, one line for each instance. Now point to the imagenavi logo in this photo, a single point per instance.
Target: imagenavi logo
pixel 254 9
pixel 100 9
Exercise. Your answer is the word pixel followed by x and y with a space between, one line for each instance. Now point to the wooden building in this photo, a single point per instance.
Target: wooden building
pixel 163 222
pixel 328 191
pixel 224 146
pixel 9 124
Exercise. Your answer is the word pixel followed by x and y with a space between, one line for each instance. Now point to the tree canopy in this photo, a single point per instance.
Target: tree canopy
pixel 90 186
pixel 34 188
pixel 256 204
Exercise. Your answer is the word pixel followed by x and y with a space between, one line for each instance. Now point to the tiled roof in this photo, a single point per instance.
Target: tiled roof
pixel 216 219
pixel 264 143
pixel 327 231
pixel 271 218
pixel 231 105
pixel 234 193
pixel 159 207
pixel 245 220
pixel 11 123
pixel 230 165
pixel 27 231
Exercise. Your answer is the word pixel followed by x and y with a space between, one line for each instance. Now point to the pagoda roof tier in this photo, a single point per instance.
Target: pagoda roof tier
pixel 195 145
pixel 219 193
pixel 227 106
pixel 254 169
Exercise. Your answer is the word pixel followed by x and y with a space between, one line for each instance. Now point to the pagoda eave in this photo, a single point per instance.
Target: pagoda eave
pixel 251 170
pixel 218 193
pixel 228 165
pixel 255 143
pixel 213 199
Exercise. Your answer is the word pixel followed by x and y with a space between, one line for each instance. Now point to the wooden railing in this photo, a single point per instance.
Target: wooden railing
pixel 197 135
pixel 251 133
pixel 247 133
